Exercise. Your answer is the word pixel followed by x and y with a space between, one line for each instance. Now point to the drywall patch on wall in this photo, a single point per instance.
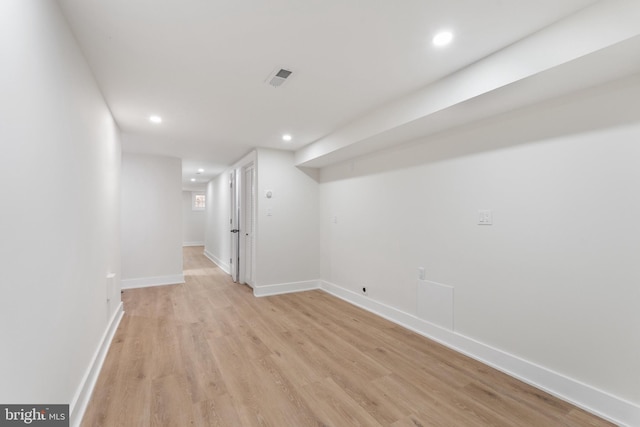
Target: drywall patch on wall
pixel 435 303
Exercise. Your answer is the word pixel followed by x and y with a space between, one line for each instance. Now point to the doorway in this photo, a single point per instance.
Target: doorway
pixel 247 209
pixel 242 223
pixel 234 215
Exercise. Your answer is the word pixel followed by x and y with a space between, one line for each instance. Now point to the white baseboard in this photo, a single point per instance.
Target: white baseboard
pixel 192 244
pixel 81 399
pixel 217 261
pixel 285 288
pixel 145 282
pixel 596 401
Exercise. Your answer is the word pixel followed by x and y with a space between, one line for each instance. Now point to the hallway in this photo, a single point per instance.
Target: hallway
pixel 208 353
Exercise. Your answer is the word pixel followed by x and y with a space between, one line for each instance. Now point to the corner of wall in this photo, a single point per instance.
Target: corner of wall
pixel 224 266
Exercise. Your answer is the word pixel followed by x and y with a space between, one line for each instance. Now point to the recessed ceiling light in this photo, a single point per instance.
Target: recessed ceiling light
pixel 193 180
pixel 200 170
pixel 286 137
pixel 443 38
pixel 155 119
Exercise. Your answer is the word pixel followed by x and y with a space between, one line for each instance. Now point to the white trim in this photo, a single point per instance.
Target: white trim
pixel 591 399
pixel 145 282
pixel 83 394
pixel 193 244
pixel 243 267
pixel 224 266
pixel 285 288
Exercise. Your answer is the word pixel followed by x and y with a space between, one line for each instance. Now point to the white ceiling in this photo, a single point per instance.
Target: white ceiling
pixel 202 64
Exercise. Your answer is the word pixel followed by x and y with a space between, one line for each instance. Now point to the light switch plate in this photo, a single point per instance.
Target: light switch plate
pixel 485 217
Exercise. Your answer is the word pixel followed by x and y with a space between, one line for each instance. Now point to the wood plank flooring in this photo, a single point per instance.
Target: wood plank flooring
pixel 208 353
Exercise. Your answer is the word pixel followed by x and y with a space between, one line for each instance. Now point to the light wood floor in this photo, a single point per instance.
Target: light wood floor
pixel 208 353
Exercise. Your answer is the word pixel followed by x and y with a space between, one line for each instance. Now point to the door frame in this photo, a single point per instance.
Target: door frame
pixel 248 200
pixel 234 222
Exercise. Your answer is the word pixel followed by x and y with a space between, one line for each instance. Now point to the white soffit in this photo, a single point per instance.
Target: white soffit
pixel 201 65
pixel 562 58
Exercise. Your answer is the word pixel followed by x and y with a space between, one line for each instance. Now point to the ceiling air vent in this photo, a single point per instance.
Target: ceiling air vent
pixel 278 77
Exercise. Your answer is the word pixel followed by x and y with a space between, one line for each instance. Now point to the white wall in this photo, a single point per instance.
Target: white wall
pixel 523 73
pixel 287 243
pixel 60 175
pixel 217 237
pixel 192 221
pixel 151 220
pixel 554 280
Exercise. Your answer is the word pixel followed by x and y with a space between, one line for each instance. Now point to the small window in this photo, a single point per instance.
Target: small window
pixel 198 201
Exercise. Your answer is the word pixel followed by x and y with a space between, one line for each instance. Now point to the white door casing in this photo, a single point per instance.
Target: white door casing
pixel 234 225
pixel 247 234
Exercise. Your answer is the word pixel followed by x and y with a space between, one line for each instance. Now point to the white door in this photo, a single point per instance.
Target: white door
pixel 248 225
pixel 234 226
